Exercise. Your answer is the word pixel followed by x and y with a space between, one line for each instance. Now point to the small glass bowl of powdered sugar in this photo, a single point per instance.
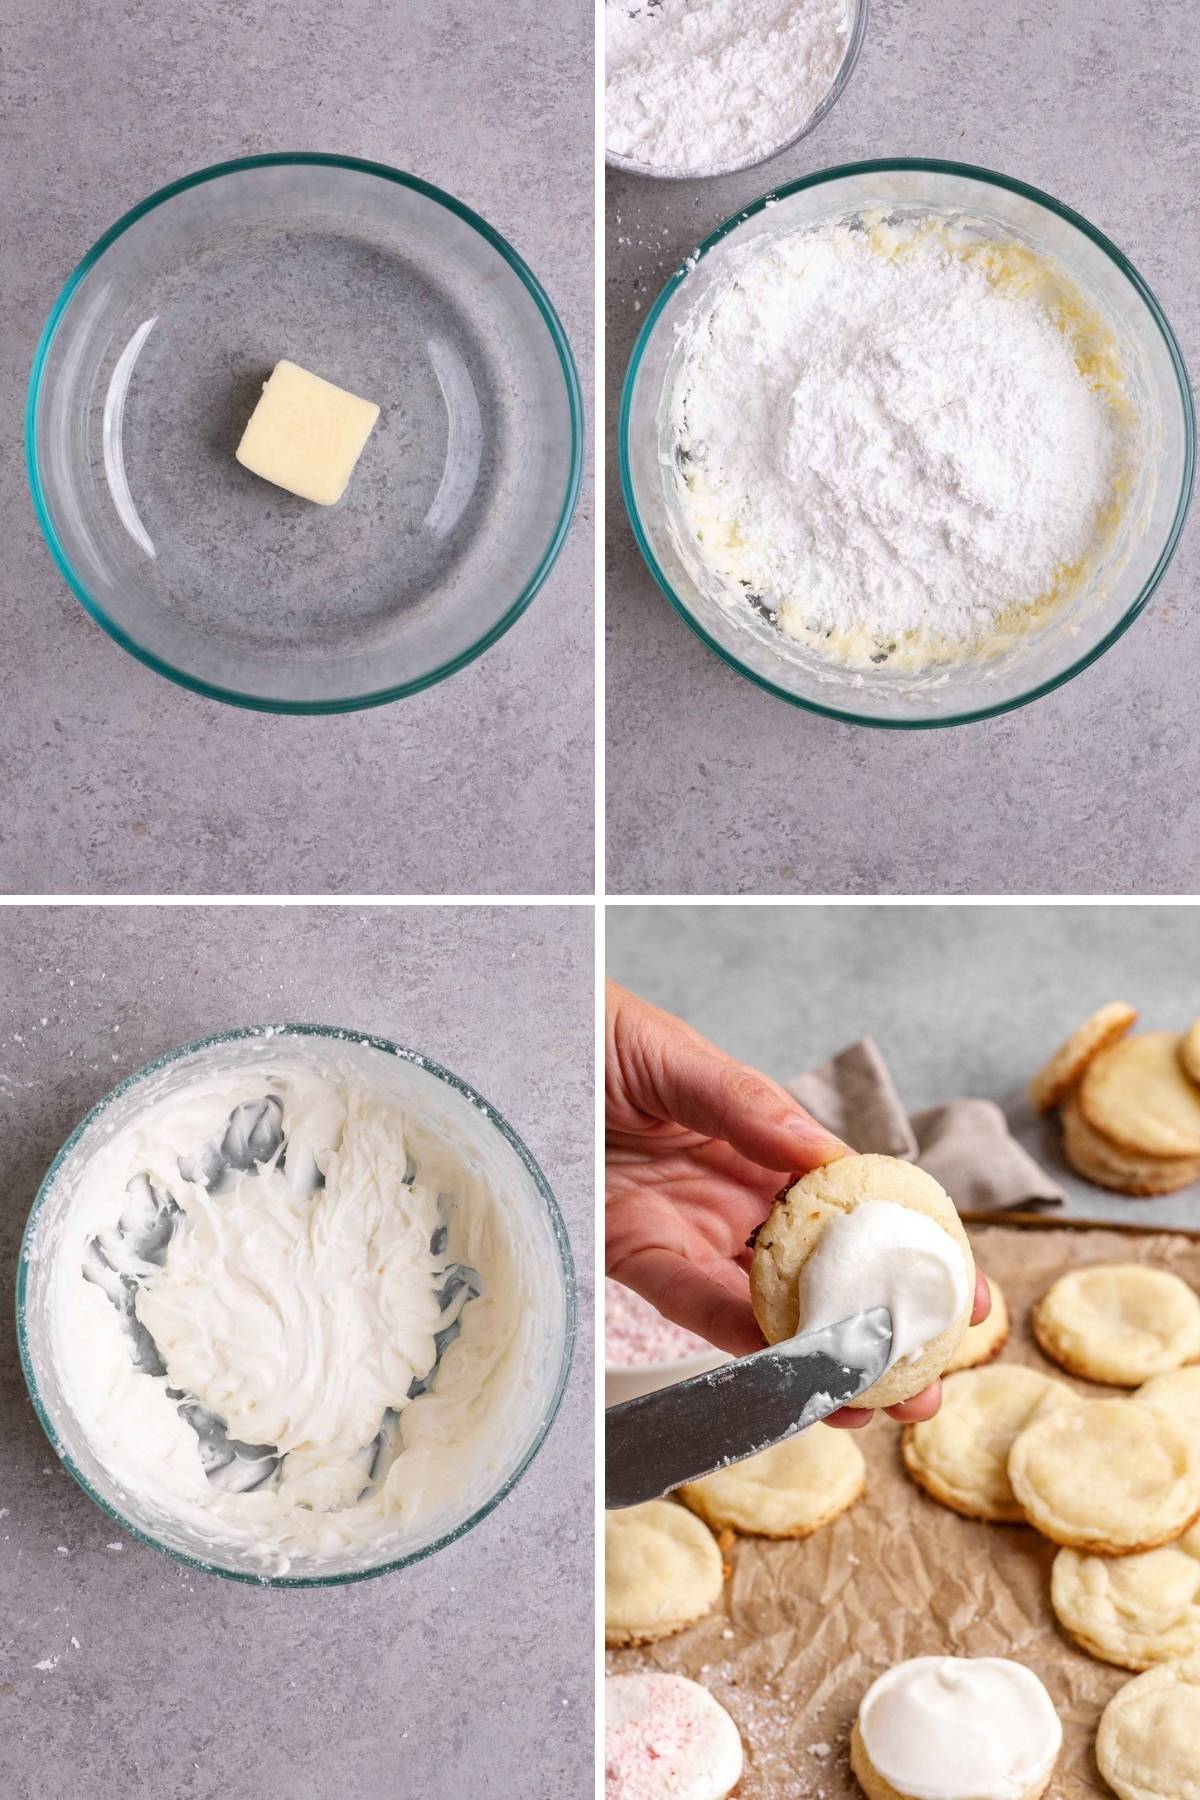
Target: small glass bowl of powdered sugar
pixel 695 88
pixel 643 1351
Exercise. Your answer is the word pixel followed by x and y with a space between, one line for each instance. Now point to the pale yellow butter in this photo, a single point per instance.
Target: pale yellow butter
pixel 305 434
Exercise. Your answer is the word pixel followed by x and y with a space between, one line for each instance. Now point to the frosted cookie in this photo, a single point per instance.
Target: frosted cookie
pixel 861 1232
pixel 666 1738
pixel 983 1342
pixel 958 1727
pixel 787 1491
pixel 1148 1744
pixel 1099 1160
pixel 1137 1094
pixel 1054 1081
pixel 662 1572
pixel 1189 1052
pixel 1176 1394
pixel 1106 1476
pixel 960 1456
pixel 1133 1611
pixel 1118 1323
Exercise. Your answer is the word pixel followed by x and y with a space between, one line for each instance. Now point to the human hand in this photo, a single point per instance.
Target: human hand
pixel 698 1146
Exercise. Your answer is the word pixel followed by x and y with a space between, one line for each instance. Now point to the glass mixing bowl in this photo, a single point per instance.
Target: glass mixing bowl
pixel 1072 637
pixel 860 12
pixel 426 1091
pixel 151 363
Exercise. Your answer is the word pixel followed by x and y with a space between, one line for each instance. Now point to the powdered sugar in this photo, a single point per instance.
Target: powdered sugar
pixel 635 1333
pixel 901 442
pixel 697 86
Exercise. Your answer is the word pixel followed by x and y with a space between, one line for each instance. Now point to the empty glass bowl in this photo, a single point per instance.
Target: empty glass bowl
pixel 154 357
pixel 1071 638
pixel 434 1100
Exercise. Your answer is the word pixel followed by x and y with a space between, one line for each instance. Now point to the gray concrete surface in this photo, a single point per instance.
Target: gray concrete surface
pixel 114 781
pixel 715 787
pixel 961 1000
pixel 467 1674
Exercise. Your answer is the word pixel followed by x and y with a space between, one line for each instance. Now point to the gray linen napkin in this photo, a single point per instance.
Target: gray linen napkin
pixel 964 1144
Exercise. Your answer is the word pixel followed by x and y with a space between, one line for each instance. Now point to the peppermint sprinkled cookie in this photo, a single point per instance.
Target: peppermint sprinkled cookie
pixel 666 1738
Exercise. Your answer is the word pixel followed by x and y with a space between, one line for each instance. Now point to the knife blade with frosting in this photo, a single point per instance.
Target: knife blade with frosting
pixel 691 1428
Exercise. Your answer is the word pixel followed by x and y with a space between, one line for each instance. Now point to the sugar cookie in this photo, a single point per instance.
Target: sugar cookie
pixel 983 1342
pixel 666 1738
pixel 1056 1078
pixel 662 1572
pixel 1133 1611
pixel 1106 1476
pixel 958 1727
pixel 1118 1323
pixel 787 1491
pixel 1189 1052
pixel 868 1231
pixel 1137 1094
pixel 1177 1394
pixel 1148 1744
pixel 960 1456
pixel 1099 1160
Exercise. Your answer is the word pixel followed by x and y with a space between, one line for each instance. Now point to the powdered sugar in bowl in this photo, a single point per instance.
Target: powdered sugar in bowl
pixel 907 443
pixel 643 1351
pixel 696 88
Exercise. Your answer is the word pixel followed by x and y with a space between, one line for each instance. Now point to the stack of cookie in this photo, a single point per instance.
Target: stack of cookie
pixel 1114 1481
pixel 1129 1104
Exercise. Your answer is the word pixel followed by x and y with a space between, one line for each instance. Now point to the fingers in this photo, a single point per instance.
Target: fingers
pixel 707 1092
pixel 851 1418
pixel 983 1299
pixel 659 1070
pixel 711 1299
pixel 922 1406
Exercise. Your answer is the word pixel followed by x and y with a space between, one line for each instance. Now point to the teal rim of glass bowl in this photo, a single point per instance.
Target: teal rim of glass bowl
pixel 566 362
pixel 923 165
pixel 459 1086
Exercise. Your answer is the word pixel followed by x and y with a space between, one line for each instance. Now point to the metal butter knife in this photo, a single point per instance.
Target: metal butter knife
pixel 681 1432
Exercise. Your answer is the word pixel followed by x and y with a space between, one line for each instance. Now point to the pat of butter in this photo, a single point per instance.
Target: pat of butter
pixel 305 434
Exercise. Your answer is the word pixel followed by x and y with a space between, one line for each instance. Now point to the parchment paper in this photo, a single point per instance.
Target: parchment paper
pixel 803 1628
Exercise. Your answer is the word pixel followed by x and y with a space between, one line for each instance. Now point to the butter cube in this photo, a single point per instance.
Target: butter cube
pixel 305 434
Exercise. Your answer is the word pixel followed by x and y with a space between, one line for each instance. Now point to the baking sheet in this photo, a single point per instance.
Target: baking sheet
pixel 803 1628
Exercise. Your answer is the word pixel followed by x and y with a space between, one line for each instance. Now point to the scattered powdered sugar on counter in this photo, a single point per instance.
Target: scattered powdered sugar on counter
pixel 635 1333
pixel 901 442
pixel 698 86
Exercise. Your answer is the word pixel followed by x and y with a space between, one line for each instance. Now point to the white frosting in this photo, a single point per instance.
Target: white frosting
pixel 666 1738
pixel 960 1728
pixel 881 1254
pixel 298 1300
